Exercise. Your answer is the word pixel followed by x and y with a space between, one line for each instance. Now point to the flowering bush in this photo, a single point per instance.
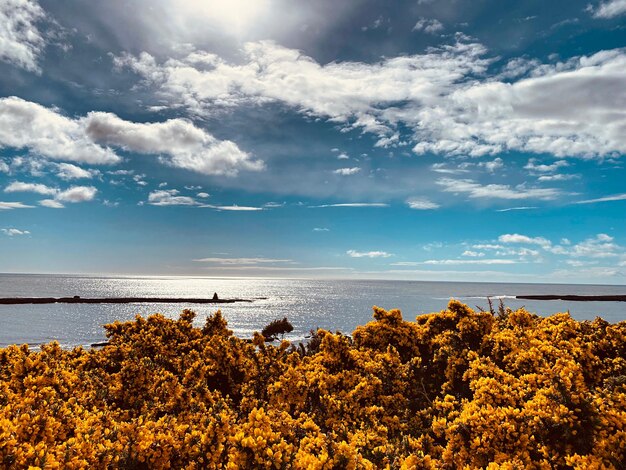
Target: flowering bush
pixel 455 389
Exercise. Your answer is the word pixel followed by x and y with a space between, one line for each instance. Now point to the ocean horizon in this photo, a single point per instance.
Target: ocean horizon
pixel 333 304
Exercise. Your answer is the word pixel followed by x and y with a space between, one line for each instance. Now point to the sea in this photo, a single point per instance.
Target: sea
pixel 336 305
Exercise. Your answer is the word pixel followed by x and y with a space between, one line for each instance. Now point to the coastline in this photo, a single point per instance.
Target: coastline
pixel 117 300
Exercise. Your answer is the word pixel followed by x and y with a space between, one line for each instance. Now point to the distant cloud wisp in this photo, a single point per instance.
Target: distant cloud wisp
pixel 421 204
pixel 615 197
pixel 170 197
pixel 7 206
pixel 368 254
pixel 242 261
pixel 13 232
pixel 353 204
pixel 19 186
pixel 428 25
pixel 496 191
pixel 608 9
pixel 347 171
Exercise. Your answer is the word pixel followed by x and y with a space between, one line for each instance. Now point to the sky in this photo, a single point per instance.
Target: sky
pixel 443 140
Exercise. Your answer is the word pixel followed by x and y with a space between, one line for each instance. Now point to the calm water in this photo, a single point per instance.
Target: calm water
pixel 335 305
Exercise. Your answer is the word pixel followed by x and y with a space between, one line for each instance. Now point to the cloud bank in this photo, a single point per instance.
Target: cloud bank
pixel 21 42
pixel 444 96
pixel 177 142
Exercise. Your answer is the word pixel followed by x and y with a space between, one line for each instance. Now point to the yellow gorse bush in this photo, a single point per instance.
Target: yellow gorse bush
pixel 457 389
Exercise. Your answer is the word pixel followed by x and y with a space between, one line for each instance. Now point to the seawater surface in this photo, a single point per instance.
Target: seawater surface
pixel 308 304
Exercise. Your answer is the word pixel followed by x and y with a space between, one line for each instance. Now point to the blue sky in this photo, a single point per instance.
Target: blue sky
pixel 423 139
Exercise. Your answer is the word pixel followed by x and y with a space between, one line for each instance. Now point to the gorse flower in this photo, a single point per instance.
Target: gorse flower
pixel 454 389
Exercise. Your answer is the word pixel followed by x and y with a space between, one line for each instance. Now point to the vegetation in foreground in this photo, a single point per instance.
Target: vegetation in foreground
pixel 455 389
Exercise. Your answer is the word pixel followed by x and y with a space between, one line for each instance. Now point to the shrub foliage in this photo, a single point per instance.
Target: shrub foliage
pixel 454 389
pixel 275 328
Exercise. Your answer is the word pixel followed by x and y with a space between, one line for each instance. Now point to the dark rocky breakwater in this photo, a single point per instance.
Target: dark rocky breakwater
pixel 118 300
pixel 578 298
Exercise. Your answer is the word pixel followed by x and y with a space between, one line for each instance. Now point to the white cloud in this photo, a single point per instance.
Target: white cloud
pixel 67 171
pixel 448 262
pixel 29 164
pixel 487 246
pixel 496 191
pixel 77 194
pixel 609 9
pixel 442 168
pixel 443 95
pixel 12 232
pixel 601 246
pixel 347 171
pixel 354 94
pixel 13 205
pixel 72 194
pixel 4 168
pixel 432 246
pixel 343 156
pixel 470 261
pixel 139 180
pixel 51 203
pixel 19 186
pixel 354 204
pixel 242 261
pixel 234 208
pixel 519 208
pixel 170 197
pixel 21 42
pixel 47 133
pixel 179 142
pixel 522 252
pixel 492 165
pixel 473 254
pixel 203 195
pixel 430 26
pixel 421 204
pixel 577 263
pixel 321 229
pixel 558 177
pixel 517 67
pixel 517 238
pixel 615 197
pixel 554 111
pixel 378 23
pixel 534 167
pixel 124 173
pixel 368 254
